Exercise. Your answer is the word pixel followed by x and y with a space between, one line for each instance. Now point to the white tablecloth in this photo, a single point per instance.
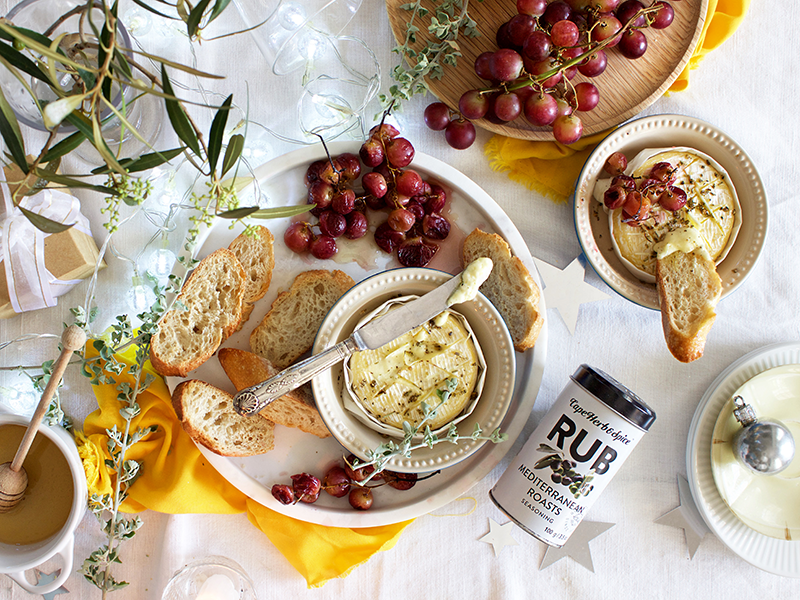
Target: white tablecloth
pixel 748 89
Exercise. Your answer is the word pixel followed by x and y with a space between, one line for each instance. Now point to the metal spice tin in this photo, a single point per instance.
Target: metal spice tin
pixel 572 455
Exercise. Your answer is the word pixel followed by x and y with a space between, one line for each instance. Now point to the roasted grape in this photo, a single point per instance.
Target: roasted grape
pixel 336 482
pixel 306 487
pixel 360 498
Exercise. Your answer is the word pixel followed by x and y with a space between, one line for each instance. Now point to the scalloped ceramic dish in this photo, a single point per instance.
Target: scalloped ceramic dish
pixel 591 222
pixel 490 331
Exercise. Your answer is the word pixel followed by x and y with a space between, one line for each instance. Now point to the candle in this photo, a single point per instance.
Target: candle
pixel 218 587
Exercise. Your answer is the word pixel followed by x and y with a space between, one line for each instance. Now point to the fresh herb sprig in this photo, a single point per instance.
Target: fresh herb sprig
pixel 447 21
pixel 97 568
pixel 380 456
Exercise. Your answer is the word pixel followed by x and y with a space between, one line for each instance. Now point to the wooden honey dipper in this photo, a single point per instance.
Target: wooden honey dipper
pixel 13 478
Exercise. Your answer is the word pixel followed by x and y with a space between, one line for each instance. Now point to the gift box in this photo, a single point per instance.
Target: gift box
pixel 38 267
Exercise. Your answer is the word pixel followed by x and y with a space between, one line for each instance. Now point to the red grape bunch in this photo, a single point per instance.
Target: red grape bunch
pixel 343 480
pixel 414 222
pixel 540 51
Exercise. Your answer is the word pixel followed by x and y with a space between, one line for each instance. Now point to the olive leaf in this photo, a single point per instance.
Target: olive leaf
pixel 281 212
pixel 65 146
pixel 23 63
pixel 217 132
pixel 219 7
pixel 177 115
pixel 195 16
pixel 68 181
pixel 43 223
pixel 143 163
pixel 232 152
pixel 9 129
pixel 238 213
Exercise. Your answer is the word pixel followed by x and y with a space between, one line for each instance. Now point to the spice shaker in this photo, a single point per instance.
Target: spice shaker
pixel 572 455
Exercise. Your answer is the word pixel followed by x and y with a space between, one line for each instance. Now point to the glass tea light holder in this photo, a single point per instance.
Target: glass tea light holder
pixel 285 29
pixel 214 577
pixel 46 17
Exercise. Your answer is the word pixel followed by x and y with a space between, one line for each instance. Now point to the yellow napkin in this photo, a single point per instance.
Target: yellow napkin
pixel 551 168
pixel 175 478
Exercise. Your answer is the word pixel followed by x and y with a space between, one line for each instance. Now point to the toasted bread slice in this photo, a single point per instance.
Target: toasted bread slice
pixel 688 291
pixel 206 312
pixel 294 409
pixel 207 415
pixel 510 287
pixel 256 254
pixel 288 329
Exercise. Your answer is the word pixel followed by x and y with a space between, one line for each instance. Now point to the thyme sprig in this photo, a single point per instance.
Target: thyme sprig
pixel 97 567
pixel 380 456
pixel 447 21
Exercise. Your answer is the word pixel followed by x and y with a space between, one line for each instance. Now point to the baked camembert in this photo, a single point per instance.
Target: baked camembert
pixel 710 219
pixel 392 382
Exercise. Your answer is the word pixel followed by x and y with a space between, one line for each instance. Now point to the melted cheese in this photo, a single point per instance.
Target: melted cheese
pixel 393 381
pixel 472 277
pixel 711 210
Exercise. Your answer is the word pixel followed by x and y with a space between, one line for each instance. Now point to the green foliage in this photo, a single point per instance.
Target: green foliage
pixel 380 456
pixel 450 18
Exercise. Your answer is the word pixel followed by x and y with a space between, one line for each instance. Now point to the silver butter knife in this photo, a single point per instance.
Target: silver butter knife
pixel 371 336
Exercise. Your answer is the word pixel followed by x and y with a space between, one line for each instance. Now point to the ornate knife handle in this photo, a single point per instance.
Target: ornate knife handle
pixel 252 400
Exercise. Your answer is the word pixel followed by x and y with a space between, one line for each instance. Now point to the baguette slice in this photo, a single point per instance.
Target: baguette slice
pixel 258 259
pixel 212 297
pixel 688 291
pixel 510 287
pixel 294 409
pixel 207 415
pixel 288 329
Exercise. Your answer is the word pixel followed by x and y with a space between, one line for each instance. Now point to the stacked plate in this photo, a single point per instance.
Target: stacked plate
pixel 758 517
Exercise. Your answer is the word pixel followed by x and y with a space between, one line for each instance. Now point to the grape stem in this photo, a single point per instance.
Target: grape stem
pixel 538 79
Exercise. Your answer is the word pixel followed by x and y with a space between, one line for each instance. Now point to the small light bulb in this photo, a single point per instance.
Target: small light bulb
pixel 161 263
pixel 21 398
pixel 291 15
pixel 137 21
pixel 310 45
pixel 140 296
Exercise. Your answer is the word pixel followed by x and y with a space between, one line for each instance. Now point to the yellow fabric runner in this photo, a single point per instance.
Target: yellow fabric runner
pixel 175 478
pixel 551 168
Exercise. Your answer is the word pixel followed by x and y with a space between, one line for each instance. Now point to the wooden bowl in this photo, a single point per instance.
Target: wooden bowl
pixel 626 87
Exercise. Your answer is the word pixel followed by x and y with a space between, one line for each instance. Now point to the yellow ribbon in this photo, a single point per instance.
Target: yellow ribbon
pixel 551 168
pixel 175 478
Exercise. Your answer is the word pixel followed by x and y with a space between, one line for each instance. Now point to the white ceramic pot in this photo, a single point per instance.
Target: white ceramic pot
pixel 15 560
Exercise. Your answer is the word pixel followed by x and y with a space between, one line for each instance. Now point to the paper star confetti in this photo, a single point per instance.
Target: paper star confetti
pixel 45 578
pixel 499 536
pixel 577 546
pixel 566 290
pixel 686 517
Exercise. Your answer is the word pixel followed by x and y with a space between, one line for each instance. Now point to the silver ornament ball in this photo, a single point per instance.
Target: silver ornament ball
pixel 766 447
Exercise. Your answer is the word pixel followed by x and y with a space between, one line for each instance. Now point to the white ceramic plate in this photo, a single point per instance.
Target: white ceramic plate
pixel 768 504
pixel 777 556
pixel 485 322
pixel 661 131
pixel 282 181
